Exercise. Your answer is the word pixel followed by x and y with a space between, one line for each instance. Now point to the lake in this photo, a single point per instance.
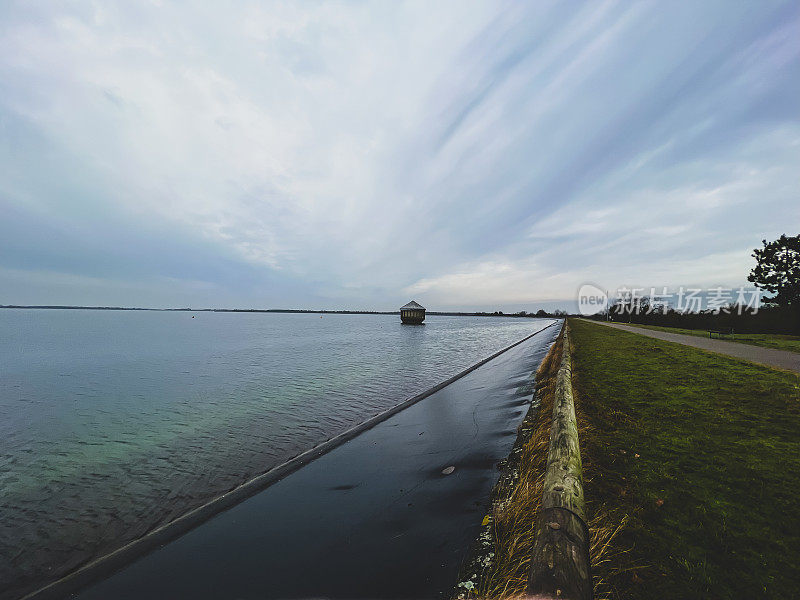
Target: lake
pixel 114 422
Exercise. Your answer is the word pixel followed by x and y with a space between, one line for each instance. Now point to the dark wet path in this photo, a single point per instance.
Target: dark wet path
pixel 374 517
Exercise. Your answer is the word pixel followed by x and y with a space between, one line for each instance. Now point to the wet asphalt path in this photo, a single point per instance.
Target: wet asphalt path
pixel 770 357
pixel 375 517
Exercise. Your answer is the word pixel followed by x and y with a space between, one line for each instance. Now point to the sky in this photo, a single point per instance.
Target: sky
pixel 469 155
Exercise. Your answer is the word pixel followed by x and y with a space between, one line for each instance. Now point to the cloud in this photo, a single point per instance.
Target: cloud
pixel 341 154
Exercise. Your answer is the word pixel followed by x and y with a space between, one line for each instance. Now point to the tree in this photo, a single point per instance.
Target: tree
pixel 777 270
pixel 629 303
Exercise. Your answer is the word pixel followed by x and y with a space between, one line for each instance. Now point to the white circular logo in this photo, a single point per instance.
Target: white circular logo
pixel 591 299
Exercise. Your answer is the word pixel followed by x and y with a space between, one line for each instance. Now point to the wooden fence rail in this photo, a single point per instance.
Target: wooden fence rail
pixel 560 559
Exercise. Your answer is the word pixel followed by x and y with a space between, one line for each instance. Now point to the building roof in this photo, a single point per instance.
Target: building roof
pixel 413 304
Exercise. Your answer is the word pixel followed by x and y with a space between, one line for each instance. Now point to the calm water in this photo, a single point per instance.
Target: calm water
pixel 112 423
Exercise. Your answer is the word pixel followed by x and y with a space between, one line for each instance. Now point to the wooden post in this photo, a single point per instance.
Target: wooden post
pixel 560 558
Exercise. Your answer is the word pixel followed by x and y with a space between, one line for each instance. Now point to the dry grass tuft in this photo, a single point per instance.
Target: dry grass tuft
pixel 604 527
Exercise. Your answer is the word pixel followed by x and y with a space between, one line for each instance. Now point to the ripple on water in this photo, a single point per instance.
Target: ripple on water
pixel 116 422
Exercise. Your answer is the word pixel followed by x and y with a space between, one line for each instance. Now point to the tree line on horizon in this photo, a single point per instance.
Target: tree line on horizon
pixel 777 272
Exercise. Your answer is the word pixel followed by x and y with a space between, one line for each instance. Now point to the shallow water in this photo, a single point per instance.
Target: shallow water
pixel 112 423
pixel 389 514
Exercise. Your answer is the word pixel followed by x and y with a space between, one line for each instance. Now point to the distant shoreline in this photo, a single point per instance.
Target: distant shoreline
pixel 276 310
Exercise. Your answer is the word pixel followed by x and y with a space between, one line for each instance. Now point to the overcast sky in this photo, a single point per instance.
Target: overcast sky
pixel 356 155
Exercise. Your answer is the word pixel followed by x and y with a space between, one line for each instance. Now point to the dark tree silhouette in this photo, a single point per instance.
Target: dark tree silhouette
pixel 778 270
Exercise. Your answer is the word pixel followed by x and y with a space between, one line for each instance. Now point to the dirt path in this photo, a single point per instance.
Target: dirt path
pixel 781 359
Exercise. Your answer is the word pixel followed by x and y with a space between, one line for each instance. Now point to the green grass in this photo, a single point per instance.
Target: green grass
pixel 718 441
pixel 765 340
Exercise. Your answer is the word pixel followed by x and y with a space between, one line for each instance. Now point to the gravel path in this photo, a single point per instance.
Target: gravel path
pixel 781 359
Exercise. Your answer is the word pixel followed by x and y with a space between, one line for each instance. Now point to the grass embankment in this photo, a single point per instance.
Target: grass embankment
pixel 765 340
pixel 701 454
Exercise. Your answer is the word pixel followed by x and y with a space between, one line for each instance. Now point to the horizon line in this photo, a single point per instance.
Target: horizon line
pixel 267 310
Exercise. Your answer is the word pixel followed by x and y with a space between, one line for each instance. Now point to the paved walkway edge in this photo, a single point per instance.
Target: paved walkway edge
pixel 768 357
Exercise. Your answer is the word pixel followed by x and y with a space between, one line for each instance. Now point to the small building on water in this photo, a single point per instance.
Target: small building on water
pixel 412 313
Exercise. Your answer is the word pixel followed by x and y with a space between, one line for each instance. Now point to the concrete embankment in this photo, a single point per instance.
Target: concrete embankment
pixel 534 540
pixel 373 517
